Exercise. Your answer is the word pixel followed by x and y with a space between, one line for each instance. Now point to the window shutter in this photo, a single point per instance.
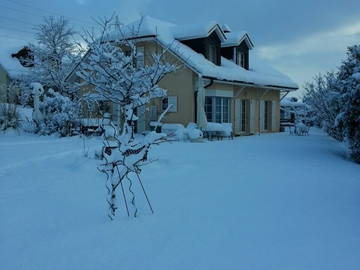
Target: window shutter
pixel 140 57
pixel 172 100
pixel 262 114
pixel 273 116
pixel 252 116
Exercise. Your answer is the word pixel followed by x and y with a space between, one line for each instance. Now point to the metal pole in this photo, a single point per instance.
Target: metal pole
pixel 123 192
pixel 147 199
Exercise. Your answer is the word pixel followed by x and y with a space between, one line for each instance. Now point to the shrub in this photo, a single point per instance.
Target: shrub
pixel 9 117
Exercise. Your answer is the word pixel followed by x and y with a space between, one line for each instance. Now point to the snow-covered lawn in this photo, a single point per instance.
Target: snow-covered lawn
pixel 263 202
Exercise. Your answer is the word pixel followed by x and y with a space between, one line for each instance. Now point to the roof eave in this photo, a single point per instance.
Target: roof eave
pixel 215 27
pixel 251 84
pixel 245 38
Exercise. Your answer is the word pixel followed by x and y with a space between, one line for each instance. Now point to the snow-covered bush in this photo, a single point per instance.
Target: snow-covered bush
pixel 9 117
pixel 224 128
pixel 180 133
pixel 193 132
pixel 10 92
pixel 323 97
pixel 60 114
pixel 25 96
pixel 335 101
pixel 349 116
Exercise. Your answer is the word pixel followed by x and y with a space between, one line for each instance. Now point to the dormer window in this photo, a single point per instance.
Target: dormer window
pixel 212 53
pixel 241 59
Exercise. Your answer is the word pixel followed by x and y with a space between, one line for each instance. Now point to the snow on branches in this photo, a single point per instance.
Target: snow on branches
pixel 335 100
pixel 53 55
pixel 112 67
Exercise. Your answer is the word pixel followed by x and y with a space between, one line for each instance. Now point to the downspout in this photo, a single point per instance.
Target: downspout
pixel 286 93
pixel 196 107
pixel 209 84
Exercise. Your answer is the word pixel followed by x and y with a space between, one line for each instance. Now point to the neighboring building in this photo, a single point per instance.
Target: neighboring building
pixel 219 79
pixel 292 111
pixel 4 82
pixel 11 67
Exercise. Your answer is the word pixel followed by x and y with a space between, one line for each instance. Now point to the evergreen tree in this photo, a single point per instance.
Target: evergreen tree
pixel 349 83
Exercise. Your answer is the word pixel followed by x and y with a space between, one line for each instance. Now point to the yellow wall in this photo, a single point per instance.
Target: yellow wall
pixel 257 94
pixel 181 84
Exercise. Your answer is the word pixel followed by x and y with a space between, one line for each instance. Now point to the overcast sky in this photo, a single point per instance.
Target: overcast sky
pixel 299 38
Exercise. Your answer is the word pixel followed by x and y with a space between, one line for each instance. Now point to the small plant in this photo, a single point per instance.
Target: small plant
pixel 9 117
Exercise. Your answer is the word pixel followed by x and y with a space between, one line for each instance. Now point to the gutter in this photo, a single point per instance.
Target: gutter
pixel 243 83
pixel 209 84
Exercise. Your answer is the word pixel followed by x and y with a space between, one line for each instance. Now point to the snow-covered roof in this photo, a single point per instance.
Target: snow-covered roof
pixel 291 103
pixel 168 34
pixel 148 26
pixel 198 31
pixel 235 39
pixel 226 28
pixel 10 64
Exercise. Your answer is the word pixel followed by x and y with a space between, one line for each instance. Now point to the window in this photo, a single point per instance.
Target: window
pixel 208 108
pixel 170 100
pixel 100 107
pixel 217 109
pixel 267 114
pixel 243 116
pixel 212 53
pixel 140 57
pixel 241 59
pixel 153 113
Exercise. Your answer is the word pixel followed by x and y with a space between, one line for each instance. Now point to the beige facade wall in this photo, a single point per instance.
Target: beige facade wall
pixel 251 95
pixel 181 84
pixel 256 95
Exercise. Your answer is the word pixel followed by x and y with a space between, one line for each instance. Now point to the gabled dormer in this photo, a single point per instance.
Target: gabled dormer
pixel 237 48
pixel 206 41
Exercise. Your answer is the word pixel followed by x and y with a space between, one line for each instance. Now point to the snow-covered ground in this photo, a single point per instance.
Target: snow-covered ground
pixel 263 202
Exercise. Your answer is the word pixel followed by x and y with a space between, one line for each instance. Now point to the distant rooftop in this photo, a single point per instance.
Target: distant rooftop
pixel 10 64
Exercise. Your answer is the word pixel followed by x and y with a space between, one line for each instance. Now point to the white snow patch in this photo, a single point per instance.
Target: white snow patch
pixel 218 205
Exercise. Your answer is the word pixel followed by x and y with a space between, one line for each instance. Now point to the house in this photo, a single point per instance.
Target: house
pixel 220 79
pixel 4 82
pixel 11 68
pixel 292 111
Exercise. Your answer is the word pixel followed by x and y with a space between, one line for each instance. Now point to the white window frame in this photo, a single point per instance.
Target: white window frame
pixel 241 59
pixel 212 53
pixel 213 109
pixel 140 56
pixel 153 113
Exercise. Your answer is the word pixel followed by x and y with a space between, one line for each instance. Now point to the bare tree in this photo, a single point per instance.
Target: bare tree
pixel 111 66
pixel 54 55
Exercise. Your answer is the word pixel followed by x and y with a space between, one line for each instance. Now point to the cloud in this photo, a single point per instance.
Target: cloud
pixel 323 42
pixel 303 58
pixel 81 2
